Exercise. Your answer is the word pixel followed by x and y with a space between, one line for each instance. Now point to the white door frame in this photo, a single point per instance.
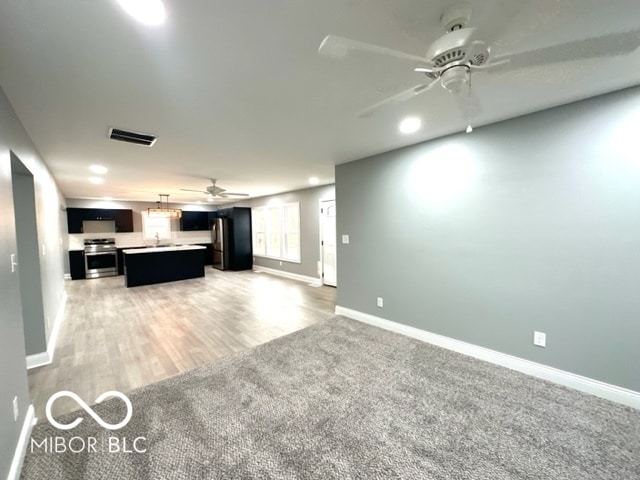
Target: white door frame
pixel 321 234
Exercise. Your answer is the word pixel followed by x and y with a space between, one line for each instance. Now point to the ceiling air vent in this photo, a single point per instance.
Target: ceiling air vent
pixel 132 137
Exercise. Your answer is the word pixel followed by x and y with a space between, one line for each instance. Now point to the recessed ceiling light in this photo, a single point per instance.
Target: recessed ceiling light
pixel 210 199
pixel 149 12
pixel 96 180
pixel 98 169
pixel 314 180
pixel 410 125
pixel 469 129
pixel 107 199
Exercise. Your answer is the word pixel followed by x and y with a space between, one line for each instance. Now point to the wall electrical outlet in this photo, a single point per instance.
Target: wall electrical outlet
pixel 540 339
pixel 16 411
pixel 380 302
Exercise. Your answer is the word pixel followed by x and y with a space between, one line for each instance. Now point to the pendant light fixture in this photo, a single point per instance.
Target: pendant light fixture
pixel 162 209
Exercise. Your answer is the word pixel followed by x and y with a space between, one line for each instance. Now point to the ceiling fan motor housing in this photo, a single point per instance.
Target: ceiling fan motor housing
pixel 453 55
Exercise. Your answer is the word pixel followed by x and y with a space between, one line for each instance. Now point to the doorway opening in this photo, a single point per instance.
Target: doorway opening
pixel 24 201
pixel 328 258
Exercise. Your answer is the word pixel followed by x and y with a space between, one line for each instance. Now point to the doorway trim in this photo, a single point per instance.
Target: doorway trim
pixel 321 203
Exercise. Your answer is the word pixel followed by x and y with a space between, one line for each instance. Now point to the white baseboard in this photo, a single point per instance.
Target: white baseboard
pixel 23 443
pixel 293 276
pixel 38 360
pixel 45 358
pixel 568 379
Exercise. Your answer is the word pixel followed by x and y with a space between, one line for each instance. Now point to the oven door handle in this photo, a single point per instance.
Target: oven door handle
pixel 100 253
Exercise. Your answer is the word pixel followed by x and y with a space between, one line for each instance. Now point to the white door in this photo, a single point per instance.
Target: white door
pixel 328 242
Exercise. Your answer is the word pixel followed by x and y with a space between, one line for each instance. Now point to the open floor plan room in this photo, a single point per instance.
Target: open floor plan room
pixel 319 239
pixel 117 338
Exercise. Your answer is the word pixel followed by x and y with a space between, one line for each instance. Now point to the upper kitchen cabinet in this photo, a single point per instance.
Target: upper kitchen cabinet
pixel 75 217
pixel 122 218
pixel 194 221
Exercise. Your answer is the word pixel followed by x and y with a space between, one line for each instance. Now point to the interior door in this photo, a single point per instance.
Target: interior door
pixel 328 242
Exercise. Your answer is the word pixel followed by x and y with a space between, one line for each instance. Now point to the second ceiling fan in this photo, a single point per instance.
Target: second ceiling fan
pixel 216 191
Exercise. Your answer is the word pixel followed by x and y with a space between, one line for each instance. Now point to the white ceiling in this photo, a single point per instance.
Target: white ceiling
pixel 235 89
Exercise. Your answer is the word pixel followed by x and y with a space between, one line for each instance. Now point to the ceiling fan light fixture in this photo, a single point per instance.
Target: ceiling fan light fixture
pixel 455 79
pixel 410 125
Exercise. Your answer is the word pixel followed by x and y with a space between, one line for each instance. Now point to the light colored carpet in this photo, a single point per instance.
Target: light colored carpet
pixel 346 400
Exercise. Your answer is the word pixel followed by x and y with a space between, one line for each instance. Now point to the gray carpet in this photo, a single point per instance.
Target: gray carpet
pixel 346 400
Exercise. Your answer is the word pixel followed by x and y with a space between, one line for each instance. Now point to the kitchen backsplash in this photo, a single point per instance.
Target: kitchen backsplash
pixel 134 239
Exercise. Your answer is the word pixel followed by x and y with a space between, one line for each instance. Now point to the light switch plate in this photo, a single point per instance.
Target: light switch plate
pixel 345 239
pixel 540 339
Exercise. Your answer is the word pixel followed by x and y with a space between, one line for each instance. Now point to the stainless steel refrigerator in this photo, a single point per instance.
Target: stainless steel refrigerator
pixel 220 243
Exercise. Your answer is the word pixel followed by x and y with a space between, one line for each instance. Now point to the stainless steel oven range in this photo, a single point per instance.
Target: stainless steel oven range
pixel 100 257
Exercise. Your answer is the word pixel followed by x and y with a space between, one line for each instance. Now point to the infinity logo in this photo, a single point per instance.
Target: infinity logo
pixel 89 410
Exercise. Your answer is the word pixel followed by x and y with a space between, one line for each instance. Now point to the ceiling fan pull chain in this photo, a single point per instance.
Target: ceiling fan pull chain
pixel 469 127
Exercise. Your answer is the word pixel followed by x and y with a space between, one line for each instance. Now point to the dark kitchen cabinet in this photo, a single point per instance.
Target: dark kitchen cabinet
pixel 194 221
pixel 76 264
pixel 121 258
pixel 75 217
pixel 208 253
pixel 120 261
pixel 238 242
pixel 123 218
pixel 100 214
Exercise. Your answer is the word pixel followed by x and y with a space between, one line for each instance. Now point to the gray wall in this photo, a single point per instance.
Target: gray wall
pixel 309 199
pixel 529 224
pixel 48 201
pixel 35 334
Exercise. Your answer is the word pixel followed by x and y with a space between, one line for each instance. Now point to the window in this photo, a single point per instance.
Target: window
pixel 152 226
pixel 276 231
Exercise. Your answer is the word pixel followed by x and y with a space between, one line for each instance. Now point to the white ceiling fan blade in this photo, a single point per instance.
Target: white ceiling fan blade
pixel 339 47
pixel 399 97
pixel 189 190
pixel 610 45
pixel 489 65
pixel 230 194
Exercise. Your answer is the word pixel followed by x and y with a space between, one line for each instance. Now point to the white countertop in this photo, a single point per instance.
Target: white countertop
pixel 136 251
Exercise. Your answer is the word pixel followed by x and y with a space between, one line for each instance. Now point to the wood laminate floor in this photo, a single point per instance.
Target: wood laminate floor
pixel 117 338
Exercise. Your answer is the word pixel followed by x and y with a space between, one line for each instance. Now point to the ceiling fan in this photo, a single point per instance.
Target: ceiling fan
pixel 452 57
pixel 216 191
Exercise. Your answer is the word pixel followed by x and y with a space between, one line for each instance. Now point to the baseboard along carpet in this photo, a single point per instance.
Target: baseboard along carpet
pixel 342 399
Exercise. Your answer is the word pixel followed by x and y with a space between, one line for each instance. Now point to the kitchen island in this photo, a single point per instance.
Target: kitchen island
pixel 146 266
